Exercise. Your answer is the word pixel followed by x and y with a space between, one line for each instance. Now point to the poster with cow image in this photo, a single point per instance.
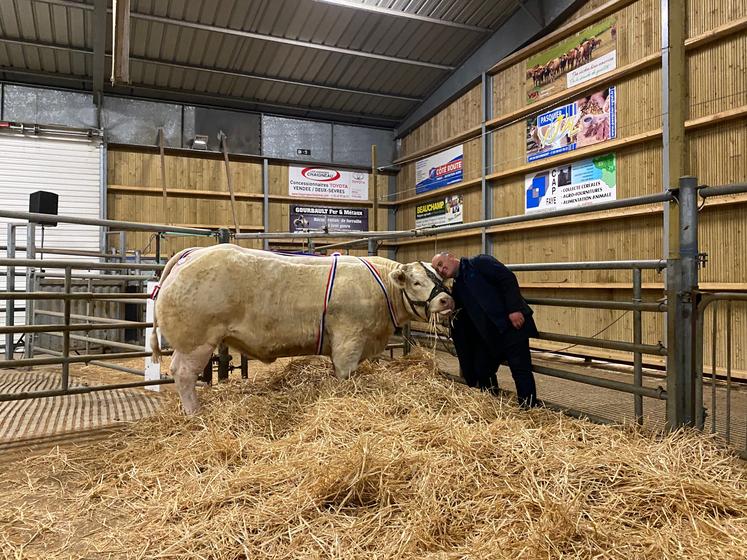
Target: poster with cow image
pixel 440 212
pixel 321 182
pixel 439 170
pixel 582 183
pixel 589 120
pixel 304 218
pixel 581 57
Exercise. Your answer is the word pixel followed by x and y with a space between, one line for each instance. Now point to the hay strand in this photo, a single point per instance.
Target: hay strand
pixel 396 462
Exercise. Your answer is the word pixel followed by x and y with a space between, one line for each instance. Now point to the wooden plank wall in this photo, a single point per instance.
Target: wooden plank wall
pixel 198 197
pixel 717 154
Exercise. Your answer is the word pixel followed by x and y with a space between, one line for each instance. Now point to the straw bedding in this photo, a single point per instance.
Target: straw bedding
pixel 395 463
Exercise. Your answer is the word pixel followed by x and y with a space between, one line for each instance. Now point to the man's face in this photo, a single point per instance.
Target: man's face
pixel 446 265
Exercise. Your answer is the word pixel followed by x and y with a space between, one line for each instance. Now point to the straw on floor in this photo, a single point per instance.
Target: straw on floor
pixel 397 462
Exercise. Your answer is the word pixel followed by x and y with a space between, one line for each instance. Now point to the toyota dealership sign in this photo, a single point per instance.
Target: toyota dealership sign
pixel 322 182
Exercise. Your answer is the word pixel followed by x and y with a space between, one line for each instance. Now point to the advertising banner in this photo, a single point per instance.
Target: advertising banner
pixel 583 183
pixel 320 182
pixel 440 212
pixel 588 120
pixel 303 217
pixel 439 170
pixel 581 57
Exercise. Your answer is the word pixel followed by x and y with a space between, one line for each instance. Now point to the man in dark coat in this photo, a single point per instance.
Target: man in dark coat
pixel 493 323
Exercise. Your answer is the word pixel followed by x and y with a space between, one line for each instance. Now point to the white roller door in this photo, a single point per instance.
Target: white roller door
pixel 71 168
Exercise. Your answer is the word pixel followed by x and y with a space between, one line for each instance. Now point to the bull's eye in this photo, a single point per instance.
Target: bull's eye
pixel 416 283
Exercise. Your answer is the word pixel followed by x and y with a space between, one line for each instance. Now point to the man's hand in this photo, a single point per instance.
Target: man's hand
pixel 517 319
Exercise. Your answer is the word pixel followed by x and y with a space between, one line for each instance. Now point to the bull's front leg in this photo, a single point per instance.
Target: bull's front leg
pixel 346 355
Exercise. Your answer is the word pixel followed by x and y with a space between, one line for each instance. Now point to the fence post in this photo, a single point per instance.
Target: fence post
pixel 681 372
pixel 373 248
pixel 10 286
pixel 30 283
pixel 224 236
pixel 637 339
pixel 66 333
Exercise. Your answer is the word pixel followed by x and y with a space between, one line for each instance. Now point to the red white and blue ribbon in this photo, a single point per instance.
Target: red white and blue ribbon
pixel 380 282
pixel 327 297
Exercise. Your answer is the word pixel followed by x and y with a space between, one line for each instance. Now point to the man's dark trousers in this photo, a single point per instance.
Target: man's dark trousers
pixel 479 360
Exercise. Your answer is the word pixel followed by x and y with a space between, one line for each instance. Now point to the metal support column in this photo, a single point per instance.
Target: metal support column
pixel 158 248
pixel 10 286
pixel 637 338
pixel 30 287
pixel 682 312
pixel 374 181
pixel 486 141
pixel 224 236
pixel 687 320
pixel 266 202
pixel 122 246
pixel 373 248
pixel 674 110
pixel 66 333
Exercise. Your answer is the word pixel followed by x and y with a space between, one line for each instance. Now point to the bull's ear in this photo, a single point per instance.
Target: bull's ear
pixel 398 276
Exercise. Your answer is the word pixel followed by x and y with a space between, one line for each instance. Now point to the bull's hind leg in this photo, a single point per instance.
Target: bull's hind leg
pixel 186 368
pixel 346 355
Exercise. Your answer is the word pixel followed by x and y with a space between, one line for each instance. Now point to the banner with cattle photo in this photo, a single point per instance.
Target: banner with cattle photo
pixel 589 53
pixel 587 121
pixel 582 183
pixel 303 218
pixel 321 182
pixel 439 170
pixel 440 212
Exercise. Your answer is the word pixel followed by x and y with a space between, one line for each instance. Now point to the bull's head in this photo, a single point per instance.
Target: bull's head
pixel 423 290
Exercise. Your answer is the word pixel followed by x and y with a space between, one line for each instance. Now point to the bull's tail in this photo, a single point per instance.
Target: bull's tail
pixel 155 345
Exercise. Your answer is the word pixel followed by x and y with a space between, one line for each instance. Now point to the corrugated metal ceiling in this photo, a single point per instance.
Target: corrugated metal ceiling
pixel 368 61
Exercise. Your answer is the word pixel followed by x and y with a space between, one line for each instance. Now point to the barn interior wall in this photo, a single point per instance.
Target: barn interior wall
pixel 716 148
pixel 198 196
pixel 136 122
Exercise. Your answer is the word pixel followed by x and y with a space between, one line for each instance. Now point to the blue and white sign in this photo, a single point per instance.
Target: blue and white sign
pixel 583 183
pixel 587 121
pixel 439 170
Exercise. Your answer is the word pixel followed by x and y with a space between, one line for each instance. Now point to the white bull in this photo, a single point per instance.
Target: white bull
pixel 270 306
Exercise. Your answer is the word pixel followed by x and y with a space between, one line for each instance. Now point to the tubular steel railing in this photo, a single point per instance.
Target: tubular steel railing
pixel 685 317
pixel 713 300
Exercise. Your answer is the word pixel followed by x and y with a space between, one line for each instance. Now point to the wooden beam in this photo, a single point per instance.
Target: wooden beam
pixel 559 34
pixel 716 118
pixel 126 189
pixel 592 85
pixel 161 143
pixel 450 142
pixel 229 180
pixel 720 32
pixel 616 214
pixel 327 201
pixel 578 154
pixel 463 186
pixel 120 42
